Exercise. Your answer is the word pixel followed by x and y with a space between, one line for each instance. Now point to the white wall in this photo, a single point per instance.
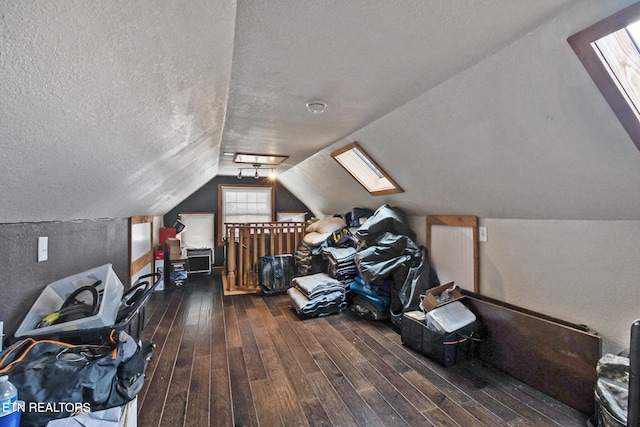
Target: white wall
pixel 585 272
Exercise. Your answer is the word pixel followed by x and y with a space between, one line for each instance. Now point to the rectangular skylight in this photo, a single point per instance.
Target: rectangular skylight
pixel 259 159
pixel 365 170
pixel 610 53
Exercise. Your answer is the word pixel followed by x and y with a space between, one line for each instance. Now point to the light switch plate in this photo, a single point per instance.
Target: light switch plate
pixel 43 249
pixel 482 234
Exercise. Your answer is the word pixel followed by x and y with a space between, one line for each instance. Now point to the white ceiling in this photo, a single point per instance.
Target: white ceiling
pixel 113 109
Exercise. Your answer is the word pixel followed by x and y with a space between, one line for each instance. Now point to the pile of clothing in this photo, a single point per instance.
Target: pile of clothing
pixel 371 254
pixel 308 255
pixel 340 263
pixel 317 295
pixel 388 252
pixel 370 302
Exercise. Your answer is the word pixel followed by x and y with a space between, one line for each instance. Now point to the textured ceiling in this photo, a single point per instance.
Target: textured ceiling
pixel 110 109
pixel 363 58
pixel 113 109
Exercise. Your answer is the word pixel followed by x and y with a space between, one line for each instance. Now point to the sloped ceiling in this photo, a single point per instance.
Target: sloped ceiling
pixel 110 108
pixel 113 109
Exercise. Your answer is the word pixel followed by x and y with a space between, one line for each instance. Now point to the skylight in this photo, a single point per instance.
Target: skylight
pixel 259 159
pixel 362 167
pixel 609 52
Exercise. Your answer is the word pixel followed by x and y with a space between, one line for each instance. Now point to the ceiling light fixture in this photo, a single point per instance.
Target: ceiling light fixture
pixel 256 167
pixel 316 107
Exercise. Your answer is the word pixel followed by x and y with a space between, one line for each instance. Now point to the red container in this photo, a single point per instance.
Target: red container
pixel 166 233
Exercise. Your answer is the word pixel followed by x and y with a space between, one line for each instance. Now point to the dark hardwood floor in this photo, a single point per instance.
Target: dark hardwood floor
pixel 248 360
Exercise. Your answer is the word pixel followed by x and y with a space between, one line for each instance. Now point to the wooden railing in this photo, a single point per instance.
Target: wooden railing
pixel 246 243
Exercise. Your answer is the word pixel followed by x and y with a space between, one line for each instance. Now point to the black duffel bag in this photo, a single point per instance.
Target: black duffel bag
pixel 58 380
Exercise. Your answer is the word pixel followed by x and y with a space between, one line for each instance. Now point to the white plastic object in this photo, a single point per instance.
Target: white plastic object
pixel 450 317
pixel 54 295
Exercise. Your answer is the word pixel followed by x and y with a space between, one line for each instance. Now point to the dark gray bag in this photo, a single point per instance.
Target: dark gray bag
pixel 62 378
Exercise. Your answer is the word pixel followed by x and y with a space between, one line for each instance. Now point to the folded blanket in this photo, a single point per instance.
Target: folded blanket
pixel 317 284
pixel 340 254
pixel 320 306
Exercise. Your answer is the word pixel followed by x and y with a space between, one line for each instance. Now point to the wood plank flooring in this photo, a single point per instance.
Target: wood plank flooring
pixel 248 360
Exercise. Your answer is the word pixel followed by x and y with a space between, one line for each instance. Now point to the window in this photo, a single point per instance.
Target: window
pixel 609 51
pixel 362 167
pixel 291 216
pixel 244 204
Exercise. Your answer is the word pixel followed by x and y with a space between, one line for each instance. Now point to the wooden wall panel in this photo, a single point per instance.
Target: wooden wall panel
pixel 140 238
pixel 551 355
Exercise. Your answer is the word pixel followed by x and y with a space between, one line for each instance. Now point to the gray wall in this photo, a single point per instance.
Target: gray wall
pixel 206 200
pixel 585 272
pixel 74 246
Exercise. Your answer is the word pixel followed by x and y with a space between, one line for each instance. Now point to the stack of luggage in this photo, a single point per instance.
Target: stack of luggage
pixel 317 295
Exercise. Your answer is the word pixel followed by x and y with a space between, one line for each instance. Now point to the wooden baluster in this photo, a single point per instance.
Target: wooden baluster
pixel 272 241
pixel 247 256
pixel 263 238
pixel 254 251
pixel 241 254
pixel 231 259
pixel 287 239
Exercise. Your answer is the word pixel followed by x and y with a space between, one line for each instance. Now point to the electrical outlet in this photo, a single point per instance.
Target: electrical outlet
pixel 43 249
pixel 482 234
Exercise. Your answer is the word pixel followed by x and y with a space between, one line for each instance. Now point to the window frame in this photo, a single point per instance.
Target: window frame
pixel 373 166
pixel 581 43
pixel 221 233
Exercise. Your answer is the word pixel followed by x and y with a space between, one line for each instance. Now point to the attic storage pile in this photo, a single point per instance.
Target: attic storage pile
pixel 95 355
pixel 373 256
pixel 369 261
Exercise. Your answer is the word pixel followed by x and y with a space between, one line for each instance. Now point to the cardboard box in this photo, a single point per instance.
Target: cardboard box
pixel 172 242
pixel 172 249
pixel 432 299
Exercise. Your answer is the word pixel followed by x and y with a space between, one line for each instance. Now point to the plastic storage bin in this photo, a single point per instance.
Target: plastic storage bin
pixel 450 317
pixel 446 348
pixel 54 295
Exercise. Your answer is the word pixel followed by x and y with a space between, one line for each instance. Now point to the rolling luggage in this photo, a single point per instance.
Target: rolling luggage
pixel 275 273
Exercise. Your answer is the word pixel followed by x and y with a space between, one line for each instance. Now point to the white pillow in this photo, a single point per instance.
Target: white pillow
pixel 327 225
pixel 314 238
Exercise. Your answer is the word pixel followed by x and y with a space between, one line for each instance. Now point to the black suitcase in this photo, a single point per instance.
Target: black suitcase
pixel 275 273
